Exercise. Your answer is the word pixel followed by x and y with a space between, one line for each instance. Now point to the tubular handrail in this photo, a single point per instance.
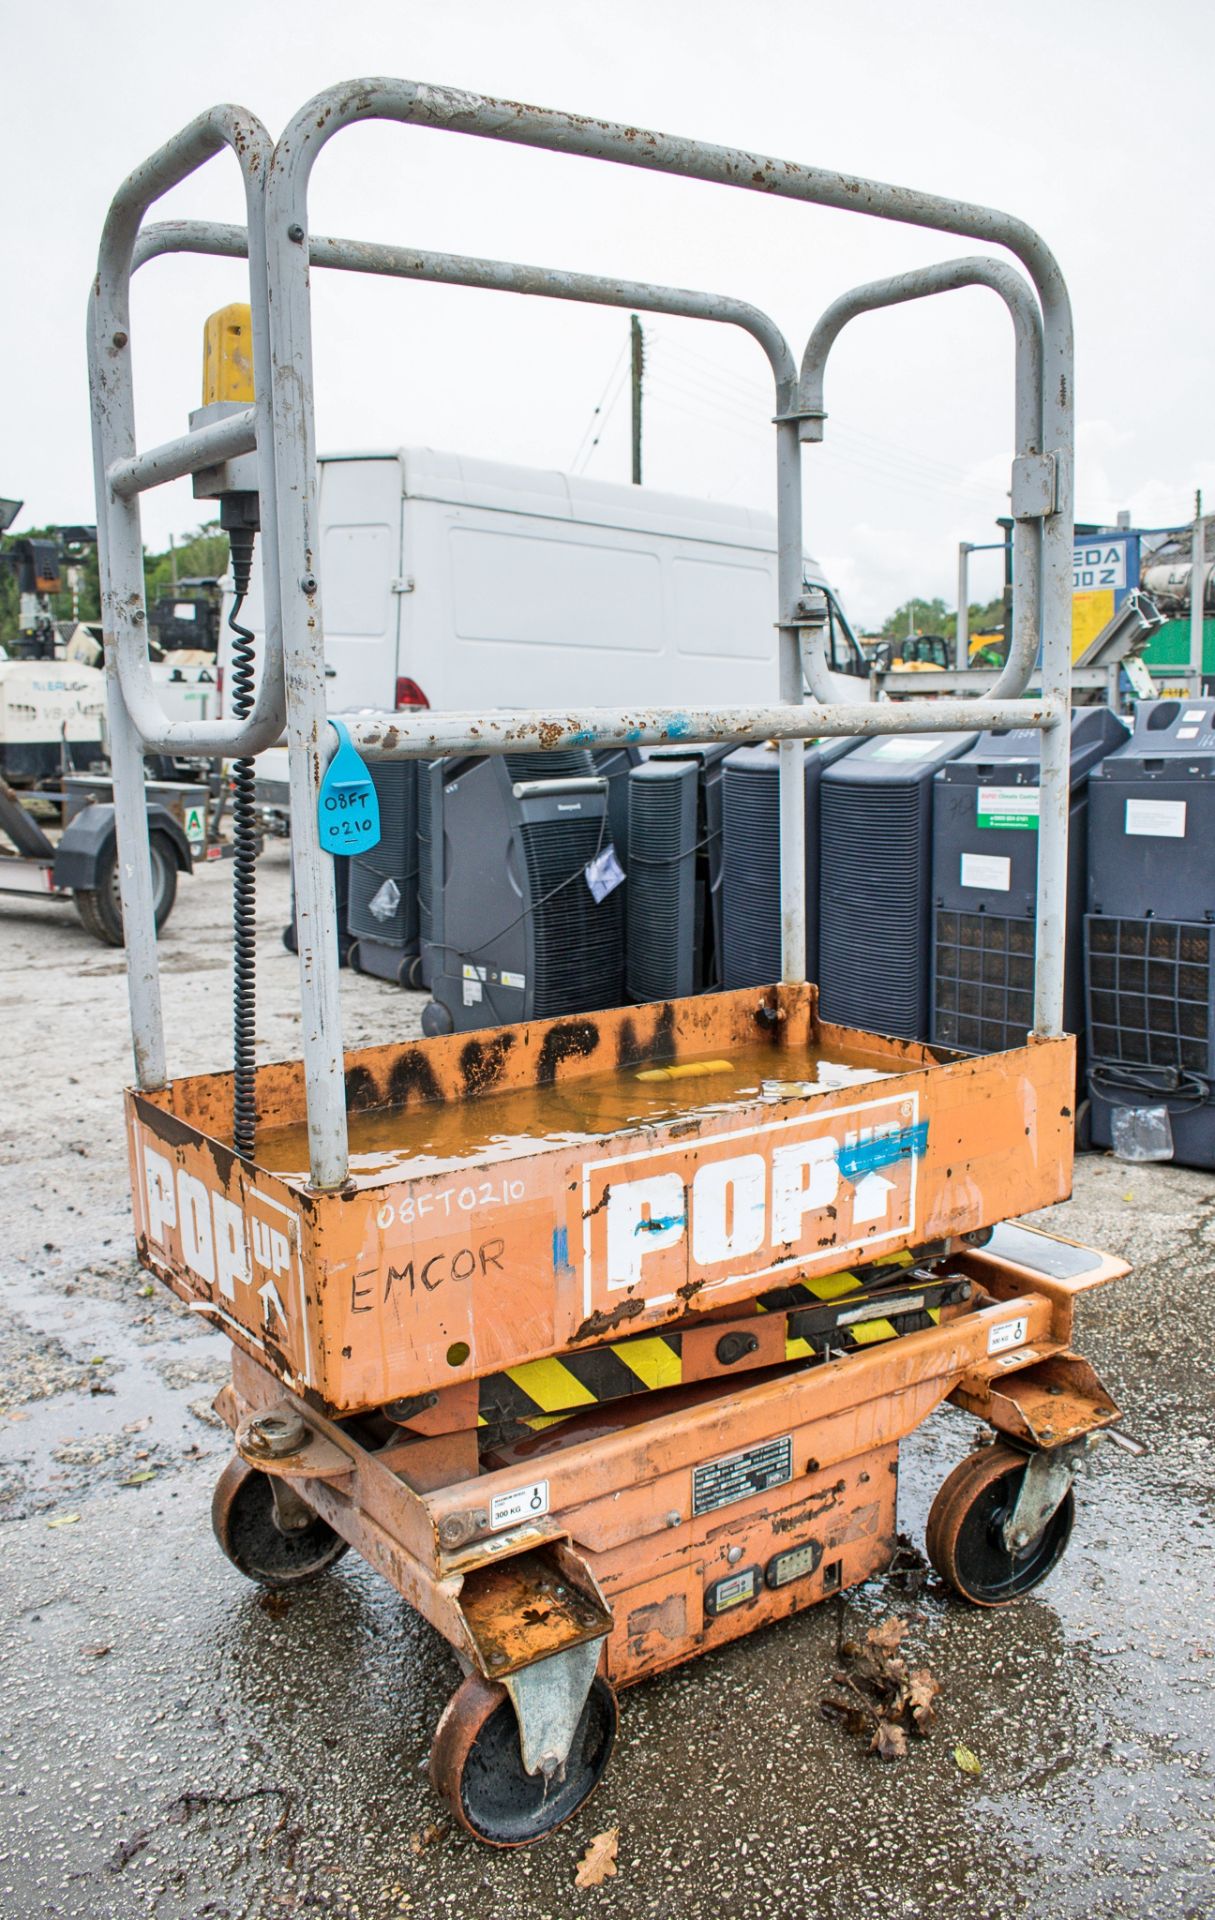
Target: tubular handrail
pixel 420 734
pixel 288 394
pixel 287 231
pixel 121 472
pixel 500 276
pixel 947 277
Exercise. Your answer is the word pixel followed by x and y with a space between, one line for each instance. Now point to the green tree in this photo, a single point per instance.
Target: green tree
pixel 202 554
pixel 918 616
pixel 933 616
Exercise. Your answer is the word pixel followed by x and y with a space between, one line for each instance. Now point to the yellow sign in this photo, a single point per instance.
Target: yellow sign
pixel 1090 612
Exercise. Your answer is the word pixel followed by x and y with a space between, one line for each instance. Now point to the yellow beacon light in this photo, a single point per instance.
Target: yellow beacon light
pixel 228 356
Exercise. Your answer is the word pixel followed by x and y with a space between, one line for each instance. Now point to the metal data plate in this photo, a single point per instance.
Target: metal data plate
pixel 719 1483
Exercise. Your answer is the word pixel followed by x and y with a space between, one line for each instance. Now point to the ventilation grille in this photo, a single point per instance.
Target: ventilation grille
pixel 873 969
pixel 395 858
pixel 424 875
pixel 578 945
pixel 662 881
pixel 571 763
pixel 1148 985
pixel 983 991
pixel 751 881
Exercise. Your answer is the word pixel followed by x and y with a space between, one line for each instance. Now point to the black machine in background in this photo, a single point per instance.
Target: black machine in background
pixel 750 844
pixel 186 619
pixel 382 914
pixel 674 863
pixel 515 930
pixel 875 881
pixel 985 879
pixel 1149 933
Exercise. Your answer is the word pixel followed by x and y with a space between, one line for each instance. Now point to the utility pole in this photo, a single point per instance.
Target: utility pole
pixel 638 344
pixel 1197 584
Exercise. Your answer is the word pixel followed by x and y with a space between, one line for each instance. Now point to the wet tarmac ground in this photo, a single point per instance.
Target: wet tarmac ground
pixel 173 1744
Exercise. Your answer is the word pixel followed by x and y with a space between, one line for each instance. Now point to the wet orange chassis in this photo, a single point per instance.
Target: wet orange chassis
pixel 342 1304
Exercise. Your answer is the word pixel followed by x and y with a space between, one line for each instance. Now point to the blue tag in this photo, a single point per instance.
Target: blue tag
pixel 349 810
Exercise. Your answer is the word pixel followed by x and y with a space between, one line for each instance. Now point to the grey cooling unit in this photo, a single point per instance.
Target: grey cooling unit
pixel 384 934
pixel 750 849
pixel 515 931
pixel 1149 933
pixel 341 878
pixel 984 884
pixel 875 881
pixel 430 772
pixel 614 764
pixel 674 868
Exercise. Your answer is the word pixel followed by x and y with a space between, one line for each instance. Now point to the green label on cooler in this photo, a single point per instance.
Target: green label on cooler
pixel 1007 806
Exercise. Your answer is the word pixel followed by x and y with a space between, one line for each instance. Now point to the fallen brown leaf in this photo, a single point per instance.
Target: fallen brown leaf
pixel 889 1741
pixel 418 1842
pixel 922 1690
pixel 598 1863
pixel 887 1638
pixel 97 1651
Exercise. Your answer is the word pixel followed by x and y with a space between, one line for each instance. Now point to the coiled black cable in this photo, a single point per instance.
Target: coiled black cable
pixel 1176 1087
pixel 246 842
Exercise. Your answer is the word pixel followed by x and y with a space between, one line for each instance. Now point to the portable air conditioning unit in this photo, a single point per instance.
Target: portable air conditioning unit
pixel 614 764
pixel 341 881
pixel 875 881
pixel 516 932
pixel 675 873
pixel 1149 934
pixel 382 913
pixel 430 772
pixel 985 879
pixel 750 849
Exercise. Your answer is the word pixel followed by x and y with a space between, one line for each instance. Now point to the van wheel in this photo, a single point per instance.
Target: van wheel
pixel 100 907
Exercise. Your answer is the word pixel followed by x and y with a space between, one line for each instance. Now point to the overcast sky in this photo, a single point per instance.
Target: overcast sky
pixel 1089 118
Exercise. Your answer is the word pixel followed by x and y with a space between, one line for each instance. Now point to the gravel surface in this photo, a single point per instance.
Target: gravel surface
pixel 173 1744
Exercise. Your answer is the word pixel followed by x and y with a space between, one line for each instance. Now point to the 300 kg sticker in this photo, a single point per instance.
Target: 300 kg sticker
pixel 1008 1333
pixel 524 1503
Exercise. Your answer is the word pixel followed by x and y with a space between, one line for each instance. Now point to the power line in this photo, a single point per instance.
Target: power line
pixel 598 408
pixel 605 415
pixel 744 391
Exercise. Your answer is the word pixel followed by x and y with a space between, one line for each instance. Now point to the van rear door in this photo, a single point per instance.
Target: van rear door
pixel 360 516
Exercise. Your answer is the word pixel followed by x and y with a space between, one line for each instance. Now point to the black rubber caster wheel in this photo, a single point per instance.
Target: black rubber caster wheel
pixel 436 1019
pixel 965 1540
pixel 476 1765
pixel 245 1524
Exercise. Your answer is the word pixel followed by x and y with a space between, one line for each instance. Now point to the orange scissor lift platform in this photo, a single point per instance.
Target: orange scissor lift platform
pixel 597 1336
pixel 593 1355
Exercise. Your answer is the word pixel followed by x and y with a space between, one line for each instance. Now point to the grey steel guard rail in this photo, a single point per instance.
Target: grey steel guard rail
pixel 294 462
pixel 121 474
pixel 802 404
pixel 949 276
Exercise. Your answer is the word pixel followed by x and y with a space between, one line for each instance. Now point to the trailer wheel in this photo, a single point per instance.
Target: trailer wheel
pixel 476 1765
pixel 965 1540
pixel 100 907
pixel 243 1517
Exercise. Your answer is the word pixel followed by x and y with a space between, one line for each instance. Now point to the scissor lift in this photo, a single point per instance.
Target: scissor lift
pixel 594 1397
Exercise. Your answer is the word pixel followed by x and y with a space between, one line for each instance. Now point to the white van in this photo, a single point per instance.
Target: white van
pixel 457 583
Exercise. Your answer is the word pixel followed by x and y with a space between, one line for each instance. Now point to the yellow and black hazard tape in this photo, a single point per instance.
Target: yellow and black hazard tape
pixel 541 1393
